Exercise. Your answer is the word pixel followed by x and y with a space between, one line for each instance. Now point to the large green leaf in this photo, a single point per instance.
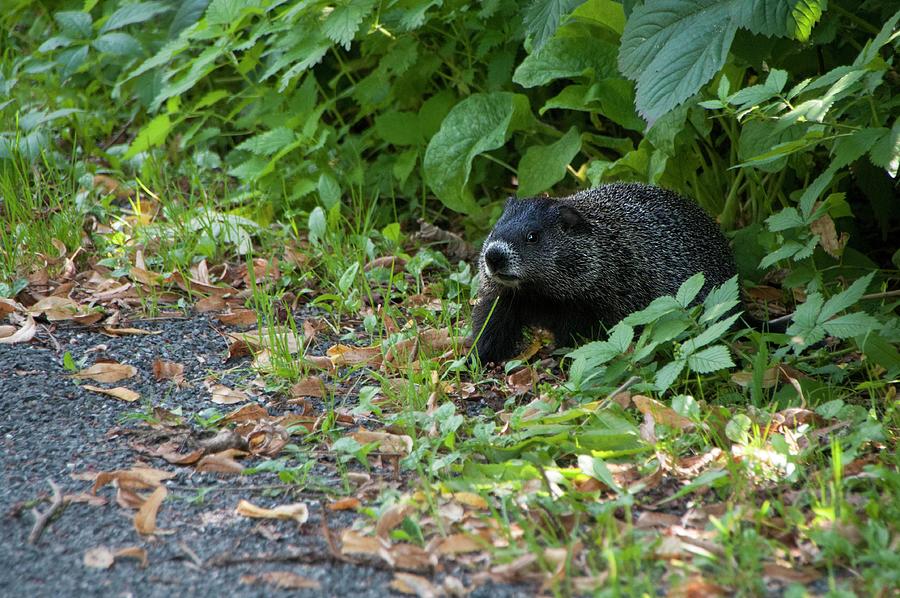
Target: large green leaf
pixel 672 47
pixel 133 13
pixel 480 123
pixel 342 24
pixel 542 17
pixel 153 134
pixel 542 166
pixel 567 57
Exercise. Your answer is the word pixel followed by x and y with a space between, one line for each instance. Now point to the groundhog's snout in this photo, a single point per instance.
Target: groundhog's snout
pixel 498 260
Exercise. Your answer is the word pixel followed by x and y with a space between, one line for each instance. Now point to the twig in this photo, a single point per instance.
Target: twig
pixel 198 562
pixel 312 556
pixel 41 519
pixel 329 537
pixel 625 386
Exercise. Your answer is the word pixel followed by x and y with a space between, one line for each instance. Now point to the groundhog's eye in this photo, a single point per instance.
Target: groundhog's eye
pixel 532 236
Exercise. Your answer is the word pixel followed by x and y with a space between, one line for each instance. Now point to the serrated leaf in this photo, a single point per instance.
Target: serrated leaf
pixel 152 134
pixel 785 251
pixel 117 44
pixel 344 21
pixel 689 289
pixel 885 152
pixel 188 13
pixel 74 23
pixel 711 334
pixel 710 359
pixel 657 309
pixel 846 298
pixel 596 352
pixel 477 124
pixel 133 13
pixel 620 337
pixel 266 144
pixel 542 17
pixel 567 57
pixel 543 166
pixel 672 47
pixel 804 16
pixel 853 324
pixel 721 299
pixel 71 59
pixel 225 12
pixel 667 374
pixel 785 219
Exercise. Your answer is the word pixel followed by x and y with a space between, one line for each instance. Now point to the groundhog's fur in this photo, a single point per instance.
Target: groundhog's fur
pixel 577 265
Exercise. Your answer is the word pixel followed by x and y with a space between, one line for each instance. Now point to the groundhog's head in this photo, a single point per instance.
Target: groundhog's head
pixel 524 245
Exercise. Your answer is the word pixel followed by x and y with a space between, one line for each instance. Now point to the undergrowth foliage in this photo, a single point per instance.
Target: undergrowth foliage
pixel 292 144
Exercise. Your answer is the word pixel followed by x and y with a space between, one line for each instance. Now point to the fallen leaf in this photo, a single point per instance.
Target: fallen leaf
pixel 391 518
pixel 828 237
pixel 387 443
pixel 313 386
pixel 390 262
pixel 55 308
pixel 129 331
pixel 239 317
pixel 470 499
pixel 353 542
pixel 145 518
pixel 785 574
pixel 119 392
pixel 23 335
pixel 168 370
pixel 343 355
pixel 222 395
pixel 99 557
pixel 137 478
pixel 106 372
pixel 285 580
pixel 459 544
pixel 415 585
pixel 133 552
pixel 350 503
pixel 208 304
pixel 249 412
pixel 298 512
pixel 661 413
pixel 219 463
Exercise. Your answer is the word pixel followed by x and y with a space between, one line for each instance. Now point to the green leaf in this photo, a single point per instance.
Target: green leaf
pixel 344 21
pixel 543 166
pixel 75 24
pixel 567 57
pixel 479 123
pixel 318 225
pixel 620 337
pixel 710 359
pixel 787 250
pixel 667 374
pixel 846 298
pixel 672 47
pixel 225 12
pixel 399 128
pixel 657 309
pixel 152 134
pixel 542 17
pixel 188 13
pixel 882 352
pixel 721 299
pixel 59 41
pixel 713 333
pixel 853 324
pixel 596 468
pixel 689 289
pixel 738 429
pixel 266 144
pixel 133 13
pixel 785 219
pixel 804 16
pixel 885 152
pixel 70 60
pixel 117 44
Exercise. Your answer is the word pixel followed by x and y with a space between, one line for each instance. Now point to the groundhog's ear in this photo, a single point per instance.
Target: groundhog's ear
pixel 570 217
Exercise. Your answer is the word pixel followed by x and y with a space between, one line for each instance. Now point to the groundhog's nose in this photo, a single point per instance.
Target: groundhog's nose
pixel 496 258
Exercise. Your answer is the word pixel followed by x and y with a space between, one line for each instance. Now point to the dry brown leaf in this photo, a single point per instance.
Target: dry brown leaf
pixel 136 478
pixel 106 372
pixel 521 380
pixel 828 237
pixel 353 542
pixel 470 499
pixel 249 412
pixel 661 413
pixel 698 587
pixel 145 518
pixel 390 262
pixel 343 355
pixel 284 580
pixel 415 585
pixel 786 574
pixel 260 339
pixel 208 304
pixel 168 370
pixel 313 386
pixel 391 518
pixel 459 544
pixel 298 512
pixel 222 395
pixel 407 556
pixel 387 443
pixel 239 317
pixel 133 552
pixel 219 463
pixel 198 286
pixel 23 335
pixel 169 452
pixel 351 503
pixel 119 392
pixel 145 277
pixel 99 557
pixel 55 308
pixel 8 306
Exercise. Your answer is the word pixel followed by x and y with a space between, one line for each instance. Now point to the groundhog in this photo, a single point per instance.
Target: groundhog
pixel 577 265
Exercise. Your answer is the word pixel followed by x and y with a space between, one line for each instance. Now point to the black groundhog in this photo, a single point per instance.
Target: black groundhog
pixel 577 265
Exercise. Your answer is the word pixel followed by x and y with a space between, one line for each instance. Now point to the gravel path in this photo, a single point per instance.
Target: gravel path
pixel 50 427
